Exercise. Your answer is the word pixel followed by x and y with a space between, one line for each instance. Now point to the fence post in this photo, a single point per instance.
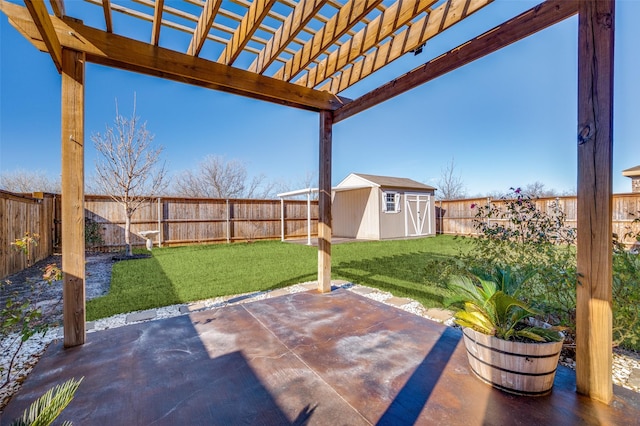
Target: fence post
pixel 281 219
pixel 228 222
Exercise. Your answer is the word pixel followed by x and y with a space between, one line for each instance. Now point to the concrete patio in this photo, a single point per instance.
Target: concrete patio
pixel 303 358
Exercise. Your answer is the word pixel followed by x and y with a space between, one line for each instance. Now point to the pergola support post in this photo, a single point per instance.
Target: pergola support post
pixel 73 268
pixel 594 249
pixel 324 203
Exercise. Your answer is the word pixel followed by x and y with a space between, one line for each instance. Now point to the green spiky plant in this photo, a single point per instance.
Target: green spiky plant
pixel 44 410
pixel 492 307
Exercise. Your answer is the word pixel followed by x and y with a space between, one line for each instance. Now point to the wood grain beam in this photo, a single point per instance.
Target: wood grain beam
pixel 158 8
pixel 393 18
pixel 108 21
pixel 350 14
pixel 248 26
pixel 416 35
pixel 120 52
pixel 73 268
pixel 304 11
pixel 58 8
pixel 595 177
pixel 203 26
pixel 530 22
pixel 42 20
pixel 324 203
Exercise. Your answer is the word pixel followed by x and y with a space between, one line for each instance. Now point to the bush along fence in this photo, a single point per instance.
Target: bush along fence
pixel 456 217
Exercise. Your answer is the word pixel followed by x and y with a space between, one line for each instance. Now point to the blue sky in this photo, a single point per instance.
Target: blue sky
pixel 508 119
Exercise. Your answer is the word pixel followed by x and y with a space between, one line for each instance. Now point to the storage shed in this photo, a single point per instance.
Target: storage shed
pixel 373 207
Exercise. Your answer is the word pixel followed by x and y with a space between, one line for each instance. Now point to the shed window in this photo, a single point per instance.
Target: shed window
pixel 391 202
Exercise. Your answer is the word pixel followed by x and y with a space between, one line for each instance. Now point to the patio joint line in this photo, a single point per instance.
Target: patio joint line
pixel 291 351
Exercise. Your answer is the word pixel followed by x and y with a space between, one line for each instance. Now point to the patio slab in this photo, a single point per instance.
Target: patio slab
pixel 304 358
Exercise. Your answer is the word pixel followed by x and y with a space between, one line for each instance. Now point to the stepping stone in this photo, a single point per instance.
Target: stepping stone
pixel 184 309
pixel 194 307
pixel 439 314
pixel 279 292
pixel 311 286
pixel 90 325
pixel 634 378
pixel 141 316
pixel 362 290
pixel 397 301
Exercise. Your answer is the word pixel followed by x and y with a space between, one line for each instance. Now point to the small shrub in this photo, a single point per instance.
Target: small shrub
pixel 92 233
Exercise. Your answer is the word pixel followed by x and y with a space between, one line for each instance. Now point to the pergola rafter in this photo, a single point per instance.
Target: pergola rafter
pixel 394 17
pixel 157 22
pixel 291 27
pixel 248 26
pixel 361 37
pixel 204 25
pixel 348 16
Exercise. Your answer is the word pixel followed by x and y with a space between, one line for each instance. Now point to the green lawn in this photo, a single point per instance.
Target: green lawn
pixel 184 274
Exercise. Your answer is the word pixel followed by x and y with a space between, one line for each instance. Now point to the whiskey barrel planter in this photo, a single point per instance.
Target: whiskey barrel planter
pixel 514 367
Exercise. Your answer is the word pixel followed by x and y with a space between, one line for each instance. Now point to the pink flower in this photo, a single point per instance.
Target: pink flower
pixel 473 205
pixel 518 190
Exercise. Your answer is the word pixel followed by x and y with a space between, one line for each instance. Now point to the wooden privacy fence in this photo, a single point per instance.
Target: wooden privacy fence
pixel 456 216
pixel 20 214
pixel 198 220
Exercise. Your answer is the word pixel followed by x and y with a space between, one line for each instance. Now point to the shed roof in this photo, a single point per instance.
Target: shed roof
pixel 632 172
pixel 389 182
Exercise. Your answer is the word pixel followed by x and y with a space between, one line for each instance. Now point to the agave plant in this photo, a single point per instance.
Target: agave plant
pixel 492 307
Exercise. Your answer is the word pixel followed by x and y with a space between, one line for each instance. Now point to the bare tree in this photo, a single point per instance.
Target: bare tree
pixel 538 190
pixel 27 181
pixel 308 180
pixel 217 178
pixel 450 185
pixel 128 167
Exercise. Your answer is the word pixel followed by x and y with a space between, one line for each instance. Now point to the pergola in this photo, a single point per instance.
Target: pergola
pixel 304 53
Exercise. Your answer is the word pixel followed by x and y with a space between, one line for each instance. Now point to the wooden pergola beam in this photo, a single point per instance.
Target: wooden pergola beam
pixel 132 55
pixel 42 20
pixel 595 165
pixel 349 15
pixel 533 20
pixel 203 26
pixel 158 8
pixel 304 11
pixel 324 203
pixel 248 26
pixel 73 262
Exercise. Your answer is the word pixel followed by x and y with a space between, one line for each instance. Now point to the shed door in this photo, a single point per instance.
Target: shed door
pixel 417 219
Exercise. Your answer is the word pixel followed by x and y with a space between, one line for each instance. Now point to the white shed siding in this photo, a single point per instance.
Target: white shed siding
pixel 355 214
pixel 391 224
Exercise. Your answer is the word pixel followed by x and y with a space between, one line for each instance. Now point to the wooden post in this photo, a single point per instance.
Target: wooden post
pixel 594 250
pixel 73 292
pixel 324 204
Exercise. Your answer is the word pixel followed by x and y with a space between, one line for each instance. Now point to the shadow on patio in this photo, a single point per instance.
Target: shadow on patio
pixel 304 358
